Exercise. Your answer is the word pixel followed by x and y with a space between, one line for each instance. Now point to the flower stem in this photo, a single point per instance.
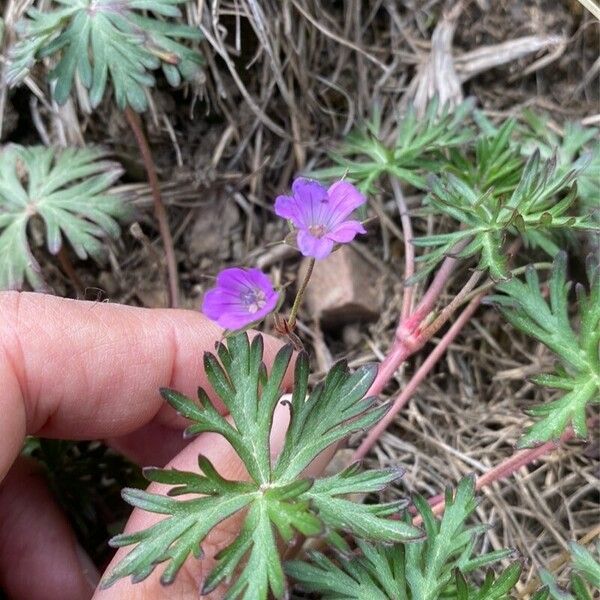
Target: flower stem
pixel 291 323
pixel 416 379
pixel 505 469
pixel 159 208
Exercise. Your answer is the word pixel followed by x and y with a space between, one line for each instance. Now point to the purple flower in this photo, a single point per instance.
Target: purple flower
pixel 241 297
pixel 321 215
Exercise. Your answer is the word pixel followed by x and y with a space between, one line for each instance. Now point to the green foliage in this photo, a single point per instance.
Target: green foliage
pixel 578 375
pixel 67 191
pixel 277 500
pixel 427 570
pixel 538 206
pixel 584 580
pixel 364 156
pixel 98 40
pixel 574 143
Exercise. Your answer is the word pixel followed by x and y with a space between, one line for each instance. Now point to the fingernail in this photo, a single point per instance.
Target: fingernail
pixel 88 568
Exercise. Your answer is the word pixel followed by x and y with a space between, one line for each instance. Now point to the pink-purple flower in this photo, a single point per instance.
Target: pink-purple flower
pixel 320 215
pixel 241 297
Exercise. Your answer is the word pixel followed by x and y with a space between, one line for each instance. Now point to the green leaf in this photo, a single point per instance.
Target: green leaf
pixel 419 147
pixel 102 40
pixel 278 502
pixel 525 307
pixel 424 570
pixel 67 191
pixel 534 202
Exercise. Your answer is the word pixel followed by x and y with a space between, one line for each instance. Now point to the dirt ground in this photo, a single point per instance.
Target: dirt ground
pixel 285 81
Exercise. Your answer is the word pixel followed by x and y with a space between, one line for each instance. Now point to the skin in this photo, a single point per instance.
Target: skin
pixel 85 370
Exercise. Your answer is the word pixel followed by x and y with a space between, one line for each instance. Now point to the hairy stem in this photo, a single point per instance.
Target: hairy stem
pixel 416 379
pixel 409 249
pixel 505 469
pixel 299 295
pixel 159 208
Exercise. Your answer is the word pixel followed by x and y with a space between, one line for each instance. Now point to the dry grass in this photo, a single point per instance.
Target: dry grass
pixel 283 82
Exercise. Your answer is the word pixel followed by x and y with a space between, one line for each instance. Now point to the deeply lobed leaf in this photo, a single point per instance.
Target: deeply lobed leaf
pixel 424 570
pixel 68 191
pixel 278 502
pixel 524 306
pixel 121 41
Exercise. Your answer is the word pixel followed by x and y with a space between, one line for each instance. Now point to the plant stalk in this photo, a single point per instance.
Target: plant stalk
pixel 159 208
pixel 409 249
pixel 416 379
pixel 291 323
pixel 67 266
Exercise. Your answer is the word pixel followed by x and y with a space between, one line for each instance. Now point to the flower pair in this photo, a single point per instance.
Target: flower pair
pixel 320 218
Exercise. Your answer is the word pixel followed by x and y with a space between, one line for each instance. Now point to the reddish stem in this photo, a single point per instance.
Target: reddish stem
pixel 417 378
pixel 505 469
pixel 159 208
pixel 409 249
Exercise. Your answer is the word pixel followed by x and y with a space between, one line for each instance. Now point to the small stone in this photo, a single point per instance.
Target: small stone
pixel 209 235
pixel 344 288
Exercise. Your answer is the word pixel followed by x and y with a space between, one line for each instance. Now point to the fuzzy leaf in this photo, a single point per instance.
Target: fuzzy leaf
pixel 101 40
pixel 424 570
pixel 535 208
pixel 278 502
pixel 525 307
pixel 67 191
pixel 363 157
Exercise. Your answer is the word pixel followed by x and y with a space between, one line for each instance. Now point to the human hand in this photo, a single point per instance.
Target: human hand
pixel 86 370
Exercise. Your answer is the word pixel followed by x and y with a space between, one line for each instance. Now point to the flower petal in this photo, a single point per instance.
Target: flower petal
pixel 225 303
pixel 234 279
pixel 344 198
pixel 345 232
pixel 286 207
pixel 307 191
pixel 313 246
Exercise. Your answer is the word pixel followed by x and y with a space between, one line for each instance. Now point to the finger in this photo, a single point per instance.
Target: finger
pixel 78 370
pixel 189 580
pixel 152 444
pixel 40 558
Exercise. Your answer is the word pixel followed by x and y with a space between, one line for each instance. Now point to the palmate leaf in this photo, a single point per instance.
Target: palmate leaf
pixel 278 502
pixel 578 376
pixel 426 570
pixel 364 157
pixel 539 206
pixel 67 191
pixel 101 40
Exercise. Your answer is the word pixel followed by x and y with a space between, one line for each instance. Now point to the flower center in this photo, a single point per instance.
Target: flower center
pixel 317 230
pixel 254 300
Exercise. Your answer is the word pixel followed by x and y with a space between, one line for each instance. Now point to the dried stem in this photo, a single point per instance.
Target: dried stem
pixel 159 208
pixel 409 249
pixel 416 379
pixel 67 266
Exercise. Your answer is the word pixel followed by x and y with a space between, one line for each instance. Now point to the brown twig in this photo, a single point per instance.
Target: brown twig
pixel 67 266
pixel 159 208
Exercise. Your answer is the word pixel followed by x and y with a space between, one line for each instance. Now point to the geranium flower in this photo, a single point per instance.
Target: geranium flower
pixel 321 215
pixel 241 297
